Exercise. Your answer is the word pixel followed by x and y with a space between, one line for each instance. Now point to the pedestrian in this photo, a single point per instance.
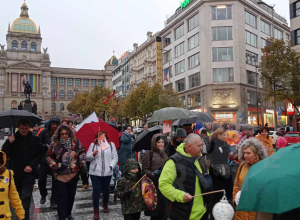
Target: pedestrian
pixel 155 160
pixel 45 137
pixel 35 130
pixel 25 153
pixel 145 127
pixel 64 122
pixel 180 135
pixel 185 175
pixel 132 201
pixel 9 192
pixel 119 126
pixel 251 152
pixel 126 144
pixel 188 128
pixel 70 124
pixel 103 158
pixel 66 156
pixel 266 140
pixel 205 140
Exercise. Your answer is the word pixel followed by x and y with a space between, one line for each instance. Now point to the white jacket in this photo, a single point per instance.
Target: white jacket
pixel 101 163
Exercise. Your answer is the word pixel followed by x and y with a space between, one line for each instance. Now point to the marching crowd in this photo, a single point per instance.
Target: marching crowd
pixel 188 165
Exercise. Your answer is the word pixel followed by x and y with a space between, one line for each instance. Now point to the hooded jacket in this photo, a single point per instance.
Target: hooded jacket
pixel 125 150
pixel 9 192
pixel 268 143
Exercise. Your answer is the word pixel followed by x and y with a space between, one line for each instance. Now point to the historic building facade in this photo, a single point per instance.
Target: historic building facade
pixel 295 23
pixel 53 88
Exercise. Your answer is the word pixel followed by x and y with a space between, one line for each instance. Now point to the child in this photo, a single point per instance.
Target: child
pixel 131 199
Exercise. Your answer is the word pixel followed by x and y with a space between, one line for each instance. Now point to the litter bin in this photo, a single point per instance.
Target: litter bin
pixel 2 134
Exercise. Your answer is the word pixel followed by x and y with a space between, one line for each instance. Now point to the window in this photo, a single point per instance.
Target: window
pixel 85 82
pixel 298 37
pixel 70 94
pixel 53 93
pixel 193 22
pixel 222 54
pixel 297 7
pixel 24 45
pixel 250 39
pixel 194 99
pixel 15 45
pixel 167 40
pixel 250 19
pixel 222 33
pixel 182 99
pixel 149 70
pixel 179 67
pixel 14 104
pixel 77 82
pixel 53 106
pixel 62 106
pixel 179 32
pixel 53 81
pixel 45 93
pixel 263 43
pixel 180 85
pixel 62 94
pixel 253 97
pixel 194 80
pixel 33 46
pixel 221 12
pixel 179 49
pixel 193 41
pixel 93 82
pixel 223 75
pixel 1 91
pixel 265 27
pixel 167 56
pixel 287 40
pixel 70 82
pixel 277 34
pixel 251 58
pixel 62 81
pixel 1 77
pixel 100 82
pixel 252 78
pixel 194 61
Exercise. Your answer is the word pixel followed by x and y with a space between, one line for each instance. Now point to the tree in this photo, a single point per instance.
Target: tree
pixel 78 105
pixel 280 76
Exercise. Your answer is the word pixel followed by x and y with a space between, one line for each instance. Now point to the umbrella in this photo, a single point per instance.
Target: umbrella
pixel 149 193
pixel 272 185
pixel 10 118
pixel 199 117
pixel 143 141
pixel 170 113
pixel 88 131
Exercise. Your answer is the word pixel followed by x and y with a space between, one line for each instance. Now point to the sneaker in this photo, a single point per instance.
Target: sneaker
pixel 43 200
pixel 53 205
pixel 85 186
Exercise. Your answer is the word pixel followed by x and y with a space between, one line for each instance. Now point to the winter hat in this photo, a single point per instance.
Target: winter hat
pixel 215 126
pixel 181 133
pixel 54 120
pixel 281 142
pixel 247 127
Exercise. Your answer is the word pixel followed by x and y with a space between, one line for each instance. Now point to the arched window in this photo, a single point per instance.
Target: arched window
pixel 53 93
pixel 70 94
pixel 53 106
pixel 62 106
pixel 14 104
pixel 24 45
pixel 15 45
pixel 33 46
pixel 62 94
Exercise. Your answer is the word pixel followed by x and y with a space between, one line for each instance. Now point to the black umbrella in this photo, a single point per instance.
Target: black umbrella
pixel 10 118
pixel 143 141
pixel 200 117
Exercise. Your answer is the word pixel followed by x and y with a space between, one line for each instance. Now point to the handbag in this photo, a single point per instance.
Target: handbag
pixel 222 170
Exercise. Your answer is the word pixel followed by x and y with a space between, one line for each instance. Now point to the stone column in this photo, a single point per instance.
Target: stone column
pixel 9 82
pixel 66 88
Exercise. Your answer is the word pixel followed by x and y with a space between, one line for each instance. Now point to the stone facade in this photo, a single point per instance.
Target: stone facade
pixel 295 23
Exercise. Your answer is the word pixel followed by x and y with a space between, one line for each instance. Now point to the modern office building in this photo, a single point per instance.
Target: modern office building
pixel 212 49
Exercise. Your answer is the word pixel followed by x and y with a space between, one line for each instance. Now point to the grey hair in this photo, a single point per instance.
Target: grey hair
pixel 255 145
pixel 189 139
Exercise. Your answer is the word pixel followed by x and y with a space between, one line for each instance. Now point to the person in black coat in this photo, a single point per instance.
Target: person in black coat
pixel 25 152
pixel 177 140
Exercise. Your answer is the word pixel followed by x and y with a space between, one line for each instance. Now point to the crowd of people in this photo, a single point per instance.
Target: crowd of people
pixel 190 164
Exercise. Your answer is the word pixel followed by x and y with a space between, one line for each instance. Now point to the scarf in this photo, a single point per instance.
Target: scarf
pixel 67 144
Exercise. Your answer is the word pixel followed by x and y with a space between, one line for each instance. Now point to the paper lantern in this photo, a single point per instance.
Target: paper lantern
pixel 237 198
pixel 223 210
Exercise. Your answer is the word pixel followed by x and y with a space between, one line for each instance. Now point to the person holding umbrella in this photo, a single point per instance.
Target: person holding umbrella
pixel 125 150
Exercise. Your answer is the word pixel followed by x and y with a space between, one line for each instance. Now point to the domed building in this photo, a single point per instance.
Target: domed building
pixel 24 60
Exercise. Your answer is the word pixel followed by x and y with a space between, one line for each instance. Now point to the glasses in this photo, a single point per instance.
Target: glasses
pixel 64 134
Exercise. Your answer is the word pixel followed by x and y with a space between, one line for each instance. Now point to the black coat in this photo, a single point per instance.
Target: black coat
pixel 45 138
pixel 23 152
pixel 172 147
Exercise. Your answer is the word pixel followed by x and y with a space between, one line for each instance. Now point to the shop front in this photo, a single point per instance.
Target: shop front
pixel 254 118
pixel 225 118
pixel 269 118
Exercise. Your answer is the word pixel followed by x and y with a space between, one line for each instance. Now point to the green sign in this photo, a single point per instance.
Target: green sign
pixel 185 3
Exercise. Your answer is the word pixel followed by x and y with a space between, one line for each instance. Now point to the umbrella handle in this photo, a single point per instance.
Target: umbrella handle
pixel 203 194
pixel 138 182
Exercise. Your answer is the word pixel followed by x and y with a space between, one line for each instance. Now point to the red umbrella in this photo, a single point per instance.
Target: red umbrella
pixel 87 133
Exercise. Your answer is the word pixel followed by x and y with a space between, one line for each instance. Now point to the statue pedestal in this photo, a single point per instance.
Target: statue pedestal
pixel 28 106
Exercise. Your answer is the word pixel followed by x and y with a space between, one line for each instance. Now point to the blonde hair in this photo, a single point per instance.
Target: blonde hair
pixel 216 133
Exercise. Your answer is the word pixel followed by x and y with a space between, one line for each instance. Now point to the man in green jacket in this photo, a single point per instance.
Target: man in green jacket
pixel 179 187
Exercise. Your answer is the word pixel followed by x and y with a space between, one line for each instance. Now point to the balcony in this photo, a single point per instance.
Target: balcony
pixel 14 93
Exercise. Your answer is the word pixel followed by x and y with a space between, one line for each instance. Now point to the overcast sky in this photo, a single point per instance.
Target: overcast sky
pixel 84 33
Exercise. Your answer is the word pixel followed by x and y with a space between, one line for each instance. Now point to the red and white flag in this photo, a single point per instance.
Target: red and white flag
pixel 108 98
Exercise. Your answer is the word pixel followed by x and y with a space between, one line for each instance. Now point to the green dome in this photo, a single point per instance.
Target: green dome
pixel 24 25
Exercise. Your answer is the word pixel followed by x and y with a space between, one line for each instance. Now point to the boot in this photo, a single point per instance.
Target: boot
pixel 105 208
pixel 96 214
pixel 43 200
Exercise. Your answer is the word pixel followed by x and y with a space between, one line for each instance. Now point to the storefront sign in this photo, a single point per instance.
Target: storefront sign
pixel 185 3
pixel 279 113
pixel 290 110
pixel 224 116
pixel 196 110
pixel 158 61
pixel 269 111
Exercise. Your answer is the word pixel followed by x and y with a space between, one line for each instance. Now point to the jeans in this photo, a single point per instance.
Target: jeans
pixel 43 173
pixel 65 197
pixel 25 187
pixel 134 216
pixel 100 184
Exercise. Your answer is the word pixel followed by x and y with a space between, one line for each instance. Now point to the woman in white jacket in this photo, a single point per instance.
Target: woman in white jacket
pixel 103 157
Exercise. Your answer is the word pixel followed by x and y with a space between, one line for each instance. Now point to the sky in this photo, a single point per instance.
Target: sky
pixel 84 33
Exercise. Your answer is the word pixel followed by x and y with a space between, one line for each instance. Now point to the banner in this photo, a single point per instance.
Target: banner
pixel 167 125
pixel 159 61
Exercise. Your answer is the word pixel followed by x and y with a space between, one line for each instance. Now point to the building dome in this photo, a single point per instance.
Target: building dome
pixel 112 61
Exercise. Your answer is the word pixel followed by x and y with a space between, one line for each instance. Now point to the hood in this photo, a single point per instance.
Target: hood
pixel 2 158
pixel 180 149
pixel 54 119
pixel 131 164
pixel 153 142
pixel 264 139
pixel 202 130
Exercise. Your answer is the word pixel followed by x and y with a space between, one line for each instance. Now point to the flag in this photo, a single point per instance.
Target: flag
pixel 166 75
pixel 198 127
pixel 108 98
pixel 90 119
pixel 55 95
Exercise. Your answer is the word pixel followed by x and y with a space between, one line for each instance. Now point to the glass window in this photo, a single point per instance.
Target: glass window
pixel 24 45
pixel 277 34
pixel 179 49
pixel 298 36
pixel 221 12
pixel 33 46
pixel 252 78
pixel 180 85
pixel 194 61
pixel 297 7
pixel 1 91
pixel 223 75
pixel 179 32
pixel 250 39
pixel 62 81
pixel 193 41
pixel 222 33
pixel 265 27
pixel 62 94
pixel 253 97
pixel 53 93
pixel 100 82
pixel 1 77
pixel 167 40
pixel 70 94
pixel 62 106
pixel 250 19
pixel 251 58
pixel 195 99
pixel 167 56
pixel 53 81
pixel 194 80
pixel 85 82
pixel 77 82
pixel 263 43
pixel 193 22
pixel 70 82
pixel 53 106
pixel 93 82
pixel 182 99
pixel 222 54
pixel 179 67
pixel 15 45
